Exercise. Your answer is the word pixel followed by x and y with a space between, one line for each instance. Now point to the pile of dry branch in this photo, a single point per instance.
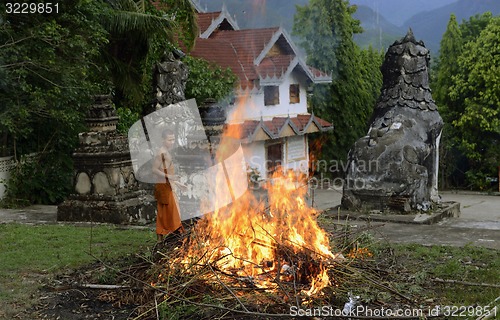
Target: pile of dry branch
pixel 163 288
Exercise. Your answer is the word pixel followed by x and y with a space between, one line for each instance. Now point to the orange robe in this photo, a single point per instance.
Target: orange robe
pixel 168 218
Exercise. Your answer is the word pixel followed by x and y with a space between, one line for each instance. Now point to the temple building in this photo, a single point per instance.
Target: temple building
pixel 270 109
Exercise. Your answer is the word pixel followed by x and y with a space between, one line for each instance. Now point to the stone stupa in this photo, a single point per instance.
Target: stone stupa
pixel 395 166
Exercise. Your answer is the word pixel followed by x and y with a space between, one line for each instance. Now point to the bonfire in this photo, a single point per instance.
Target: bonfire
pixel 254 254
pixel 259 251
pixel 263 242
pixel 266 247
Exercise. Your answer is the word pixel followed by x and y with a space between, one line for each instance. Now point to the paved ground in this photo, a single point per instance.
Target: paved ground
pixel 37 214
pixel 478 224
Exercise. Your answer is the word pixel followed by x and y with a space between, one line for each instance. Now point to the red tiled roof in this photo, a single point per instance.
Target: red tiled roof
pixel 250 41
pixel 302 120
pixel 242 130
pixel 322 122
pixel 275 125
pixel 223 53
pixel 245 46
pixel 269 125
pixel 239 49
pixel 236 49
pixel 204 20
pixel 248 128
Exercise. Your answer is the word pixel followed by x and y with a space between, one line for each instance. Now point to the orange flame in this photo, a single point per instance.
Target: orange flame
pixel 245 238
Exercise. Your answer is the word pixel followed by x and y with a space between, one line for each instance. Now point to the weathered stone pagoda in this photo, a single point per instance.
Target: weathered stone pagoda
pixel 105 189
pixel 395 166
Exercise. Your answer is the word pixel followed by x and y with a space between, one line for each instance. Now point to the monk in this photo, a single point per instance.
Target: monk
pixel 168 219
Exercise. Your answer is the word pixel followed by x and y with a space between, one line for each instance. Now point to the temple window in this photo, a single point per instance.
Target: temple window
pixel 294 93
pixel 271 95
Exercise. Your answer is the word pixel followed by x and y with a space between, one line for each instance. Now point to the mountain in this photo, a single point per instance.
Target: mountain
pixel 430 26
pixel 398 11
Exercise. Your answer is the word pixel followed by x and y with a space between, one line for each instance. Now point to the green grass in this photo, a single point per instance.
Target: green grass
pixel 417 266
pixel 30 254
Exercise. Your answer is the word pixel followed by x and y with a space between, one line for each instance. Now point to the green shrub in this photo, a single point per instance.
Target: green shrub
pixel 477 180
pixel 33 183
pixel 127 119
pixel 208 81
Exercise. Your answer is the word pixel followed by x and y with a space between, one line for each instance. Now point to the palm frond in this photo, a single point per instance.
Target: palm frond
pixel 141 4
pixel 125 5
pixel 123 22
pixel 125 77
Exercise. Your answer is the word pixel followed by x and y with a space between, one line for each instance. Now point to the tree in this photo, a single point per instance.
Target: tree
pixel 471 29
pixel 454 161
pixel 451 48
pixel 139 34
pixel 208 81
pixel 328 27
pixel 51 65
pixel 371 61
pixel 476 87
pixel 47 63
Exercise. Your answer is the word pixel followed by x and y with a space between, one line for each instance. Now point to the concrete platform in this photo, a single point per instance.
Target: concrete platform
pixel 449 209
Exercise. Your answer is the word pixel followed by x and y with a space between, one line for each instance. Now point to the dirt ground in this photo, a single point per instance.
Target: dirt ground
pixel 76 304
pixel 64 298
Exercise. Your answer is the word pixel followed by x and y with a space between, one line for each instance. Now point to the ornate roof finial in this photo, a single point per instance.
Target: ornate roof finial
pixel 409 36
